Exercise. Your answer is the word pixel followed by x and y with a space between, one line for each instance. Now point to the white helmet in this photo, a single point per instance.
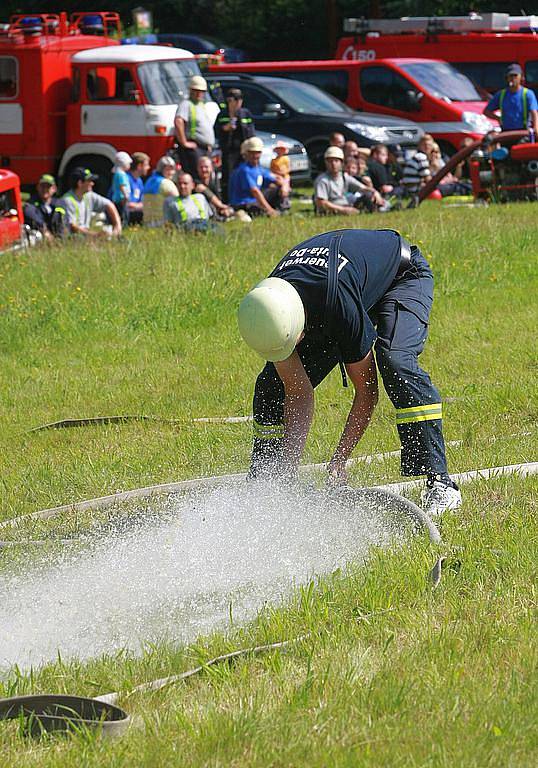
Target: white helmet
pixel 271 318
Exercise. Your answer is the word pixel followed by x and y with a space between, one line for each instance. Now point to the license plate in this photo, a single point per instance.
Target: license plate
pixel 298 163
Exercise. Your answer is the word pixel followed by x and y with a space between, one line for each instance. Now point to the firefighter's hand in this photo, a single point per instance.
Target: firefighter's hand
pixel 336 474
pixel 190 145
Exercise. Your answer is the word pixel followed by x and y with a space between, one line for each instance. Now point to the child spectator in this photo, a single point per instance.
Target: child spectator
pixel 158 186
pixel 281 168
pixel 121 189
pixel 135 206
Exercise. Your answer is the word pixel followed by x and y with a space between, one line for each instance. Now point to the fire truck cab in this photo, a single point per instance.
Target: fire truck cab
pixel 480 46
pixel 11 217
pixel 71 95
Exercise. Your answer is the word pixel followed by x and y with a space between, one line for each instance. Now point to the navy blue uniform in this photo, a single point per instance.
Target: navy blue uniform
pixel 379 303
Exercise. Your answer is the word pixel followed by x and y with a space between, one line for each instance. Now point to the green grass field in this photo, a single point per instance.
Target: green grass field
pixel 392 673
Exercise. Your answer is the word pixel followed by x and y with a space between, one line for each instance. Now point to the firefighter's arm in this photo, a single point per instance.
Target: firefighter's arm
pixel 298 410
pixel 179 124
pixel 114 217
pixel 364 377
pixel 491 114
pixel 534 122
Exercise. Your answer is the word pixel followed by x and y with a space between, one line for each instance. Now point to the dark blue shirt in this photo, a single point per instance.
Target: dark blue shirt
pixel 368 263
pixel 512 108
pixel 245 178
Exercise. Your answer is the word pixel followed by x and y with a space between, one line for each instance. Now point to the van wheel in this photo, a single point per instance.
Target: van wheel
pixel 97 164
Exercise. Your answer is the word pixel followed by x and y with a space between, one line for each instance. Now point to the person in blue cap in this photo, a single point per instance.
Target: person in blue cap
pixel 517 105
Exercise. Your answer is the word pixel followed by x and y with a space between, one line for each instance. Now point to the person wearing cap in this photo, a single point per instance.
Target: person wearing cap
pixel 336 299
pixel 254 189
pixel 43 211
pixel 194 125
pixel 235 124
pixel 517 105
pixel 189 210
pixel 336 192
pixel 81 202
pixel 281 167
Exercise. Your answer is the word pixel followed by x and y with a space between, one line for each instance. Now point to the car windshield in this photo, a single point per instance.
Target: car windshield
pixel 303 97
pixel 164 82
pixel 442 80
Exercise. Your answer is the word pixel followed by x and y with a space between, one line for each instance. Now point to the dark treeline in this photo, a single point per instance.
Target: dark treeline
pixel 273 30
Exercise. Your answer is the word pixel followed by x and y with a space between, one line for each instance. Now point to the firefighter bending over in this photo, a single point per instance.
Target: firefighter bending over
pixel 330 301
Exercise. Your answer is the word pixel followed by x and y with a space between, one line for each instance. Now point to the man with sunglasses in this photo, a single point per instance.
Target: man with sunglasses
pixel 235 124
pixel 518 105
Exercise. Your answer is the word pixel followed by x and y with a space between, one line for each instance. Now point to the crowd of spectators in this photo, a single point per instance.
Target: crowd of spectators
pixel 186 189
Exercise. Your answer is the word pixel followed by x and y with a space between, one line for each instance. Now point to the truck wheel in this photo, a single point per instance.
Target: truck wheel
pixel 98 164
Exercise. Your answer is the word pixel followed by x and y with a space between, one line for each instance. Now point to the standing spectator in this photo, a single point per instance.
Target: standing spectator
pixel 43 211
pixel 121 189
pixel 253 188
pixel 158 186
pixel 281 167
pixel 189 210
pixel 207 184
pixel 337 139
pixel 416 171
pixel 81 202
pixel 518 105
pixel 337 192
pixel 135 206
pixel 194 126
pixel 235 124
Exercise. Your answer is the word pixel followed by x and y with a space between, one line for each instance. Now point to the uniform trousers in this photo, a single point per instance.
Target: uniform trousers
pixel 401 318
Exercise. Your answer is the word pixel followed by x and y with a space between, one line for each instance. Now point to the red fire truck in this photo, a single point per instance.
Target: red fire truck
pixel 71 95
pixel 480 46
pixel 11 219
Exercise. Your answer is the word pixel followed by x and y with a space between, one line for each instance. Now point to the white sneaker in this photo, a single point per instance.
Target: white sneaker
pixel 439 498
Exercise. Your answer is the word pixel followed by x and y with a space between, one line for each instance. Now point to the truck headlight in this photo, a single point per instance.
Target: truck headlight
pixel 373 132
pixel 476 122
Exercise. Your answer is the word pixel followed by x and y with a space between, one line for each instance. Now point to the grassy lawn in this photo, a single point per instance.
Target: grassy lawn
pixel 391 674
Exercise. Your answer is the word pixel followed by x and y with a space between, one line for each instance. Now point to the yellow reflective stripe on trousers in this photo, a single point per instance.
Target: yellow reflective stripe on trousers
pixel 268 431
pixel 419 413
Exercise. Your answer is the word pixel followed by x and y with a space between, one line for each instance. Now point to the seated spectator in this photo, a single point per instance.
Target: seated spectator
pixel 135 206
pixel 159 185
pixel 207 184
pixel 337 139
pixel 449 184
pixel 381 171
pixel 339 193
pixel 416 172
pixel 189 210
pixel 463 171
pixel 281 167
pixel 357 168
pixel 81 202
pixel 253 188
pixel 121 188
pixel 43 212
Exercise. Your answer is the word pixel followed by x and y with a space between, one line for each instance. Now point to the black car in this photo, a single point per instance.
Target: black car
pixel 310 115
